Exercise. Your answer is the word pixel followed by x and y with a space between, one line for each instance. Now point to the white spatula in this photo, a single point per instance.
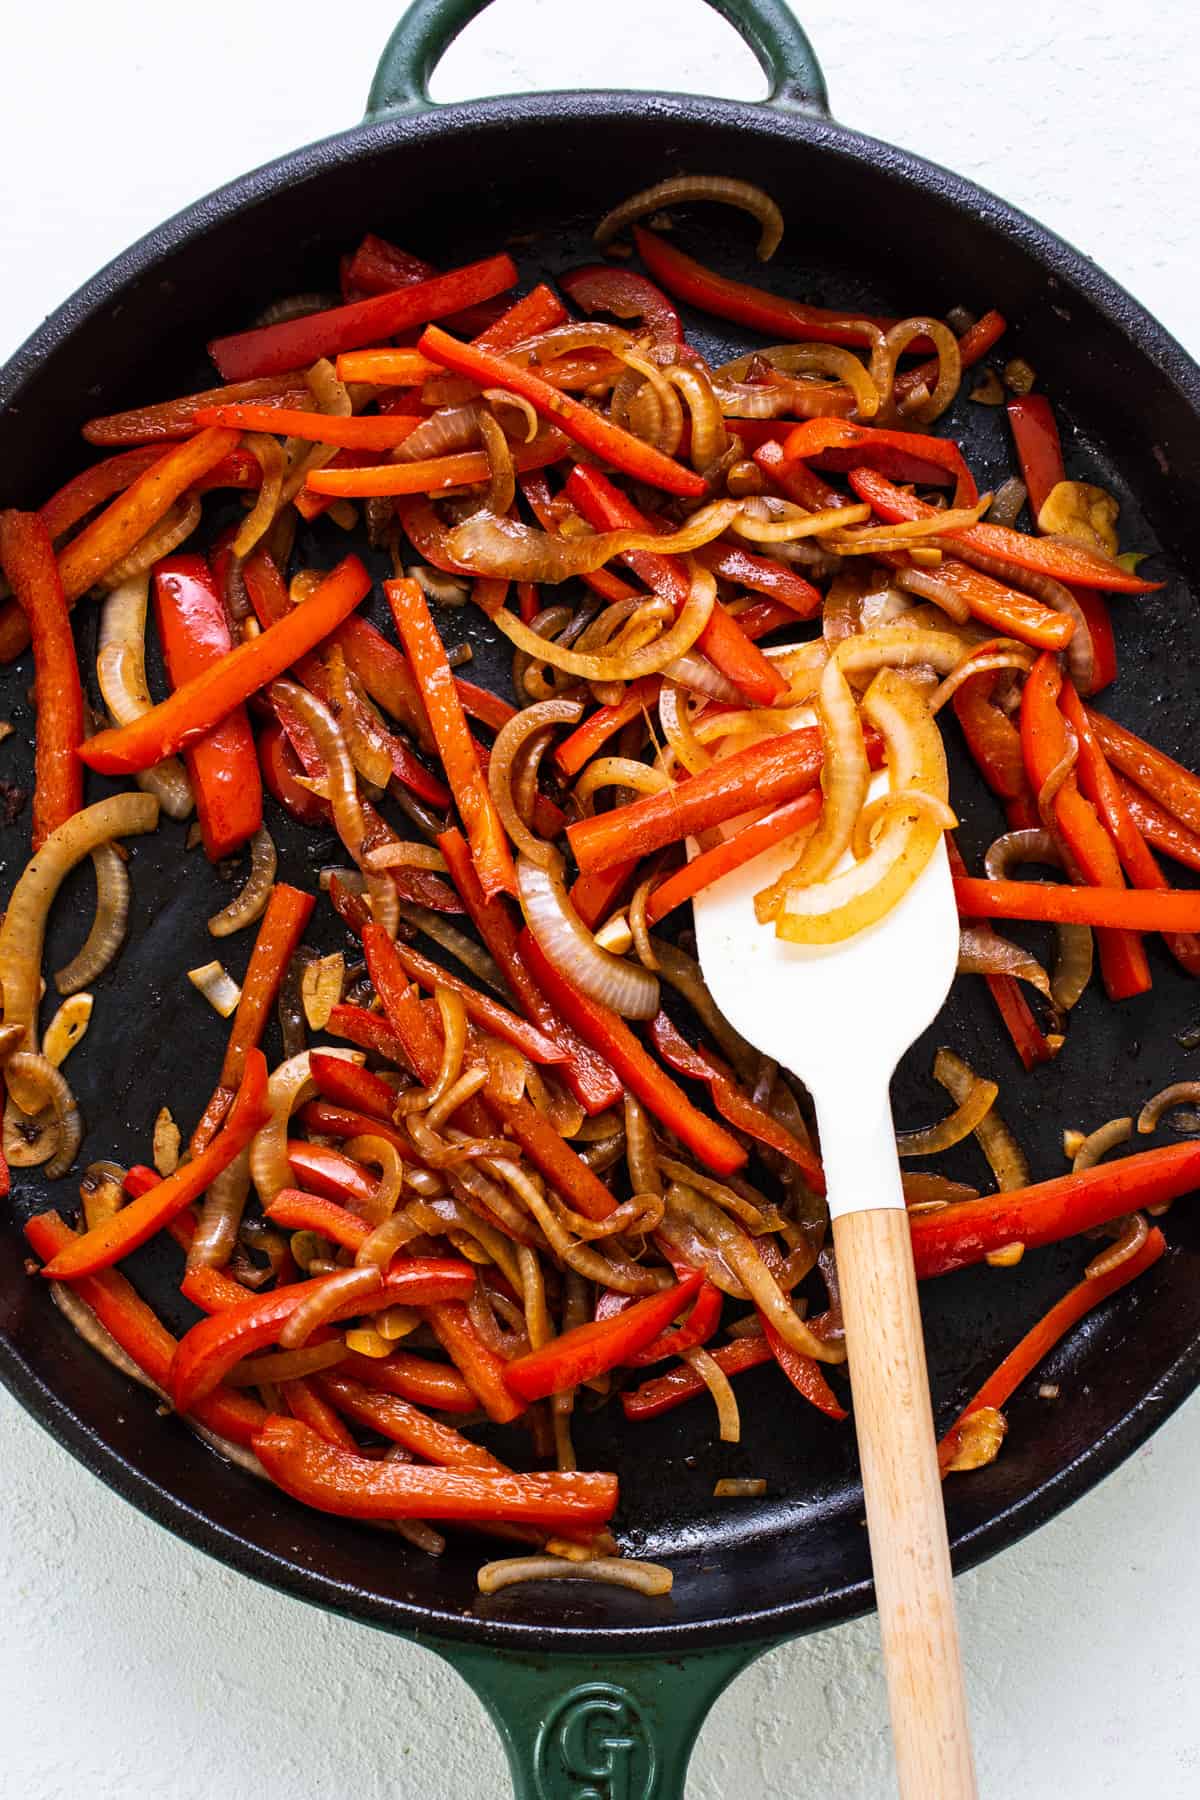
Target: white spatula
pixel 839 1017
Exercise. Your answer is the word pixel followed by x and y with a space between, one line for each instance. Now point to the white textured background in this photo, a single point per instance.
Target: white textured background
pixel 130 1664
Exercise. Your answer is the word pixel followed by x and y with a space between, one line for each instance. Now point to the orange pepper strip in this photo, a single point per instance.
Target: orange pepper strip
pixel 435 678
pixel 199 704
pixel 591 429
pixel 963 1233
pixel 1100 786
pixel 1044 744
pixel 356 433
pixel 1158 827
pixel 583 743
pixel 274 349
pixel 904 455
pixel 415 1378
pixel 1165 780
pixel 485 1011
pixel 434 474
pixel 480 1367
pixel 169 419
pixel 141 1333
pixel 662 1393
pixel 1038 1343
pixel 396 1418
pixel 1064 562
pixel 334 1481
pixel 733 853
pixel 126 1230
pixel 589 1350
pixel 210 1349
pixel 1107 908
pixel 27 558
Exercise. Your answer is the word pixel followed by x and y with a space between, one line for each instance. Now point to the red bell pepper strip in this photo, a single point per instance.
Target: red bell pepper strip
pixel 312 1409
pixel 330 1174
pixel 552 515
pixel 355 433
pixel 398 1419
pixel 608 1033
pixel 594 896
pixel 27 559
pixel 193 709
pixel 297 1211
pixel 1044 744
pixel 1158 827
pixel 591 429
pixel 766 774
pixel 427 655
pixel 762 575
pixel 601 288
pixel 1099 784
pixel 1039 452
pixel 796 481
pixel 481 1008
pixel 325 1119
pixel 384 673
pixel 482 1370
pixel 1038 1343
pixel 274 349
pixel 539 310
pixel 1165 780
pixel 992 739
pixel 434 474
pixel 126 1230
pixel 223 765
pixel 765 616
pixel 730 1101
pixel 170 419
pixel 804 1373
pixel 1071 563
pixel 586 1074
pixel 1105 908
pixel 141 1333
pixel 415 1378
pixel 407 768
pixel 710 865
pixel 210 1349
pixel 775 314
pixel 901 455
pixel 369 1031
pixel 592 1349
pixel 1028 1040
pixel 662 1393
pixel 582 744
pixel 421 1050
pixel 604 506
pixel 966 1231
pixel 689 1334
pixel 92 487
pixel 280 768
pixel 333 1481
pixel 349 1084
pixel 1006 609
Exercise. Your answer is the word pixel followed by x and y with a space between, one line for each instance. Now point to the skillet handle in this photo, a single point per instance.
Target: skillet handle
pixel 429 27
pixel 577 1728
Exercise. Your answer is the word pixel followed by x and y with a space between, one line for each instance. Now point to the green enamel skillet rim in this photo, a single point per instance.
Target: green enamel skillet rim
pixel 605 1725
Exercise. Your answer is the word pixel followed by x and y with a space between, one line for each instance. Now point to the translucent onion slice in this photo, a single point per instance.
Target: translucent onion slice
pixel 330 1295
pixel 1098 1143
pixel 250 903
pixel 713 1376
pixel 1005 1156
pixel 978 1439
pixel 219 988
pixel 23 932
pixel 808 359
pixel 566 942
pixel 982 951
pixel 678 730
pixel 1135 1229
pixel 220 1216
pixel 486 545
pixel 887 353
pixel 121 675
pixel 510 740
pixel 615 1571
pixel 978 1101
pixel 623 665
pixel 679 189
pixel 167 1138
pixel 67 1028
pixel 290 1084
pixel 321 987
pixel 1179 1093
pixel 107 931
pixel 28 1072
pixel 167 533
pixel 739 1487
pixel 268 453
pixel 766 521
pixel 617 771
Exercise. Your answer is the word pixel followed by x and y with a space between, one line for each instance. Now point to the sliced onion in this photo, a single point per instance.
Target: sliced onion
pixel 498 396
pixel 454 1042
pixel 502 479
pixel 1006 1159
pixel 121 675
pixel 1135 1229
pixel 67 1028
pixel 503 547
pixel 290 1084
pixel 268 453
pixel 107 932
pixel 1098 1143
pixel 97 1336
pixel 739 1487
pixel 617 771
pixel 250 903
pixel 343 793
pixel 683 973
pixel 23 932
pixel 361 727
pixel 166 534
pixel 718 1384
pixel 1073 966
pixel 1080 654
pixel 330 1295
pixel 446 431
pixel 220 1216
pixel 679 189
pixel 887 353
pixel 764 520
pixel 981 661
pixel 976 1440
pixel 977 1103
pixel 982 951
pixel 1009 497
pixel 677 729
pixel 615 1571
pixel 321 987
pixel 906 800
pixel 25 1071
pixel 1179 1093
pixel 566 942
pixel 624 665
pixel 710 440
pixel 165 1154
pixel 472 955
pixel 803 359
pixel 219 988
pixel 512 738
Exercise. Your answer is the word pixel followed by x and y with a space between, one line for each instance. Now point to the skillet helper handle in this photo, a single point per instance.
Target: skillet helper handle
pixel 906 1516
pixel 768 27
pixel 577 1728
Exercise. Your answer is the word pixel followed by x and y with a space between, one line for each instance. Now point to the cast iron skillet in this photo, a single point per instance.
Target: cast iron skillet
pixel 587 1685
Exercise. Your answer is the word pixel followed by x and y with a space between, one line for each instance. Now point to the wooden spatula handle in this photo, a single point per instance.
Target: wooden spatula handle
pixel 905 1515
